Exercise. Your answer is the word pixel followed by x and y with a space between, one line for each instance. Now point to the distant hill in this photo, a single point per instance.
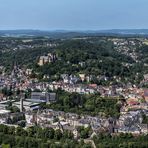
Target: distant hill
pixel 69 34
pixel 127 31
pixel 34 33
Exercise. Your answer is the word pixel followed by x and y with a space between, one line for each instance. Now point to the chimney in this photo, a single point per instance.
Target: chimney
pixel 21 103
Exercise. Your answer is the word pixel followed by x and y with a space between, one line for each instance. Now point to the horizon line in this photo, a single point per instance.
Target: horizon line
pixel 23 29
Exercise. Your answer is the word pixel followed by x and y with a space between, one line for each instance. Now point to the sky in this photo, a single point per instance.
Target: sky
pixel 73 14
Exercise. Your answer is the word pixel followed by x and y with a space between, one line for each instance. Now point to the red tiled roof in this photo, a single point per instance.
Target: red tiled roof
pixel 133 103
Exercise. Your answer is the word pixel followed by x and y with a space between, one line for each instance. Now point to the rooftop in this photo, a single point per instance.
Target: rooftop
pixel 4 111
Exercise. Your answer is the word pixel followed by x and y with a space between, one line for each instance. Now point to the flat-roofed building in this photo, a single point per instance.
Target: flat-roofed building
pixel 43 97
pixel 27 105
pixel 4 115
